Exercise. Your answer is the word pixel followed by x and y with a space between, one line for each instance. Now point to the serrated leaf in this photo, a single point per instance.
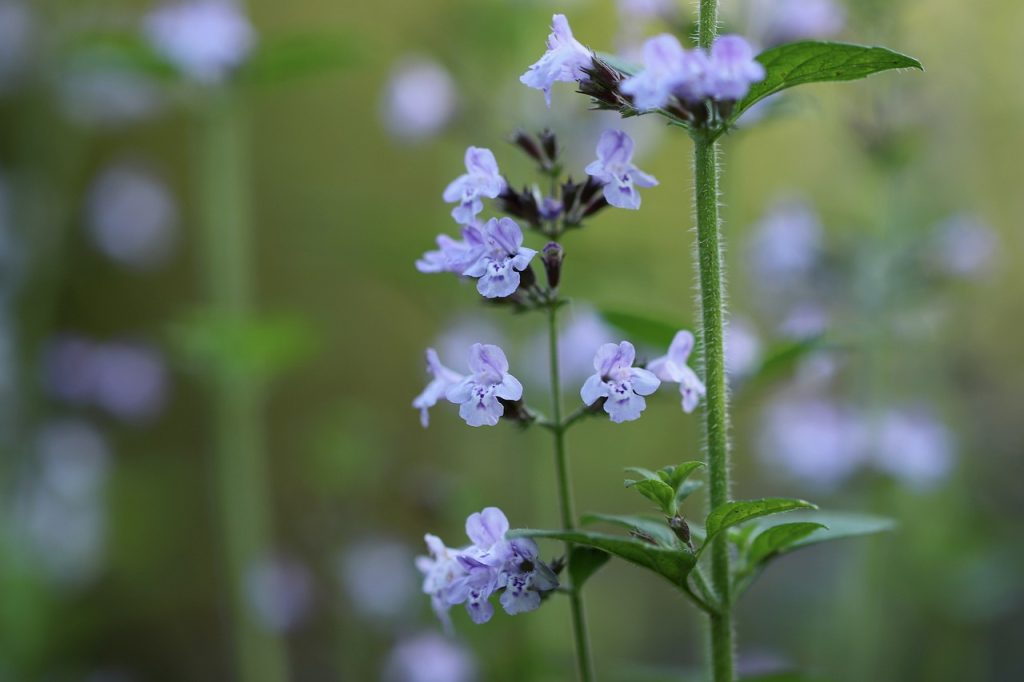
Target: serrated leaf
pixel 734 513
pixel 813 61
pixel 652 527
pixel 585 562
pixel 659 492
pixel 672 564
pixel 642 329
pixel 778 539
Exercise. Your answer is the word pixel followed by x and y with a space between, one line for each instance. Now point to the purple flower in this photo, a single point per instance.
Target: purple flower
pixel 673 368
pixel 668 70
pixel 443 379
pixel 477 395
pixel 732 68
pixel 420 99
pixel 453 255
pixel 786 243
pixel 471 575
pixel 563 62
pixel 503 258
pixel 440 571
pixel 614 167
pixel 915 447
pixel 963 246
pixel 482 179
pixel 619 382
pixel 205 39
pixel 785 21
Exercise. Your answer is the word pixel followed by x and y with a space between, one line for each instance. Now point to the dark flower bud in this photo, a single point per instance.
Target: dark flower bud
pixel 643 535
pixel 681 529
pixel 530 145
pixel 527 278
pixel 557 564
pixel 602 86
pixel 552 256
pixel 516 411
pixel 550 144
pixel 521 205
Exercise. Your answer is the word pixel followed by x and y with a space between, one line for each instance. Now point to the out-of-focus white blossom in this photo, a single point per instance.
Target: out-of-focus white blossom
pixel 205 39
pixel 430 657
pixel 913 446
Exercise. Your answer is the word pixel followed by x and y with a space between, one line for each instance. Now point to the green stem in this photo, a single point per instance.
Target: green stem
pixel 584 665
pixel 238 397
pixel 709 253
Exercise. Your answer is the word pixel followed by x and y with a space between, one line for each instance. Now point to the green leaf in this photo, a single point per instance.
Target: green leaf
pixel 734 513
pixel 672 564
pixel 675 476
pixel 657 491
pixel 814 61
pixel 585 562
pixel 643 329
pixel 778 539
pixel 652 527
pixel 291 57
pixel 644 474
pixel 838 525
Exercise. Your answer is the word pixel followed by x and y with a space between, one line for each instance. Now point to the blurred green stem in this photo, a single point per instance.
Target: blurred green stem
pixel 584 664
pixel 238 398
pixel 716 441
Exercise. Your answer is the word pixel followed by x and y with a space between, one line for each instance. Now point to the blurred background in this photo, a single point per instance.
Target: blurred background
pixel 211 331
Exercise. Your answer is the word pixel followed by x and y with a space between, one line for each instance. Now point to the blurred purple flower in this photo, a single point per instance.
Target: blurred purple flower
pixel 582 332
pixel 614 167
pixel 442 379
pixel 204 39
pixel 785 245
pixel 672 368
pixel 813 439
pixel 563 61
pixel 805 320
pixel 783 21
pixel 17 38
pixel 503 258
pixel 622 385
pixel 279 591
pixel 668 70
pixel 131 380
pixel 646 9
pixel 132 217
pixel 378 577
pixel 914 447
pixel 742 348
pixel 482 179
pixel 429 657
pixel 477 395
pixel 127 380
pixel 419 99
pixel 963 246
pixel 732 68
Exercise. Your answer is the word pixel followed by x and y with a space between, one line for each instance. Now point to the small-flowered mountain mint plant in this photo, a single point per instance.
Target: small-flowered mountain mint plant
pixel 712 557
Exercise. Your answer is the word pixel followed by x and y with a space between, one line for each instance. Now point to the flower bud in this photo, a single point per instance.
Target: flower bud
pixel 527 278
pixel 552 256
pixel 550 144
pixel 529 144
pixel 681 529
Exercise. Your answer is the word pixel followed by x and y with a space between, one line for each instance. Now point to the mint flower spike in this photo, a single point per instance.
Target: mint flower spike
pixel 563 61
pixel 672 368
pixel 614 167
pixel 443 379
pixel 502 258
pixel 481 179
pixel 619 383
pixel 478 394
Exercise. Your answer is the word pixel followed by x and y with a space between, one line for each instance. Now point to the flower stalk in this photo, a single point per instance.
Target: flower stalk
pixel 716 417
pixel 584 663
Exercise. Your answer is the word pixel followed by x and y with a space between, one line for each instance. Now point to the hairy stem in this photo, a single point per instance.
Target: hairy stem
pixel 584 665
pixel 712 299
pixel 238 398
